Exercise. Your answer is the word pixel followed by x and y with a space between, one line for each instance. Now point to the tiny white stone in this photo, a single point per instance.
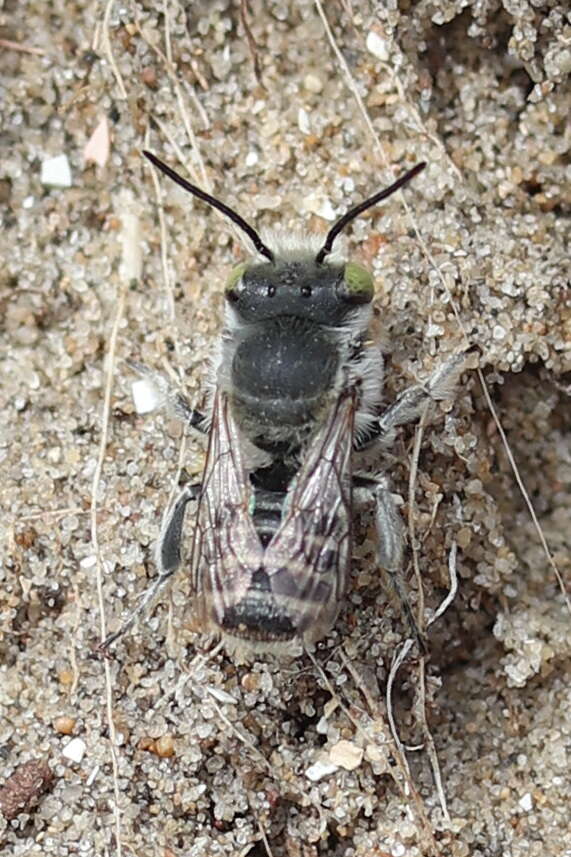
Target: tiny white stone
pixel 526 802
pixel 92 777
pixel 319 770
pixel 499 332
pixel 303 121
pixel 251 159
pixel 75 749
pixel 28 202
pixel 146 397
pixel 317 204
pixel 378 46
pixel 88 561
pixel 56 172
pixel 434 330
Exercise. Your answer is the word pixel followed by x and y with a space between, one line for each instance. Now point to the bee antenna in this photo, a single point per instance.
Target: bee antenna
pixel 215 203
pixel 363 206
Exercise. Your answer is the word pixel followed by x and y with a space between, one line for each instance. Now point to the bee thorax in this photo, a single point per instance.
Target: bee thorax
pixel 283 371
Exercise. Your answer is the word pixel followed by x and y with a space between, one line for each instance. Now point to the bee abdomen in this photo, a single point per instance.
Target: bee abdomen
pixel 267 514
pixel 258 616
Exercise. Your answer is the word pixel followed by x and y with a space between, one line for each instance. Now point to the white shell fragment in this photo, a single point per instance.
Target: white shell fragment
pixel 378 46
pixel 319 770
pixel 146 396
pixel 56 172
pixel 316 203
pixel 221 695
pixel 346 755
pixel 97 147
pixel 526 802
pixel 74 750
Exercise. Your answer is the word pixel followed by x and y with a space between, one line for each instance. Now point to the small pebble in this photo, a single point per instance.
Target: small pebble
pixel 526 802
pixel 313 83
pixel 64 725
pixel 23 789
pixel 97 147
pixel 164 746
pixel 346 755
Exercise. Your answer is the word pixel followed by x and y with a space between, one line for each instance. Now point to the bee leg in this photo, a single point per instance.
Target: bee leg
pixel 440 386
pixel 167 556
pixel 168 547
pixel 188 415
pixel 408 406
pixel 161 393
pixel 390 552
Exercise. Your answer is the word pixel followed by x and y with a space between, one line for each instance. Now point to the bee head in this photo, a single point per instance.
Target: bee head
pixel 300 287
pixel 297 284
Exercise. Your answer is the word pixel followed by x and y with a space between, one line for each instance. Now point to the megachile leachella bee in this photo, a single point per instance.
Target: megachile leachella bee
pixel 296 394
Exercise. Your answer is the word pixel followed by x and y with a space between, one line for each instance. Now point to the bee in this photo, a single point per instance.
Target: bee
pixel 296 394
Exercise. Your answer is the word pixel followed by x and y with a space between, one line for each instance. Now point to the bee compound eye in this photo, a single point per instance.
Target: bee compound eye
pixel 235 276
pixel 305 291
pixel 357 286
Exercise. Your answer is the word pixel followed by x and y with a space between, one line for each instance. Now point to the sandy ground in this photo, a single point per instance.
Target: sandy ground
pixel 177 749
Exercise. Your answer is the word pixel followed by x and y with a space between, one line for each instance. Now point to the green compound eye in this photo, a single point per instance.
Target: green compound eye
pixel 358 284
pixel 235 276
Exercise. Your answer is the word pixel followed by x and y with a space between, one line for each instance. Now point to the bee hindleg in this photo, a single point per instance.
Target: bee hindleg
pixel 167 556
pixel 390 552
pixel 168 547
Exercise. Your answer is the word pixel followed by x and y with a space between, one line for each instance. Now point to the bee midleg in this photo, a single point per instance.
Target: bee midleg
pixel 167 557
pixel 390 546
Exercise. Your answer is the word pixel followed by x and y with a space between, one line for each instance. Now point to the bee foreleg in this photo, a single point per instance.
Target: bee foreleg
pixel 156 392
pixel 167 556
pixel 390 553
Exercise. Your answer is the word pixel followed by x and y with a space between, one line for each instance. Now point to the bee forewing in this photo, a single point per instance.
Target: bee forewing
pixel 308 558
pixel 226 548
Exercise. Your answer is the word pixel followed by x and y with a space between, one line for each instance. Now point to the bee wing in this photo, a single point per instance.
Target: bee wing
pixel 226 549
pixel 308 558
